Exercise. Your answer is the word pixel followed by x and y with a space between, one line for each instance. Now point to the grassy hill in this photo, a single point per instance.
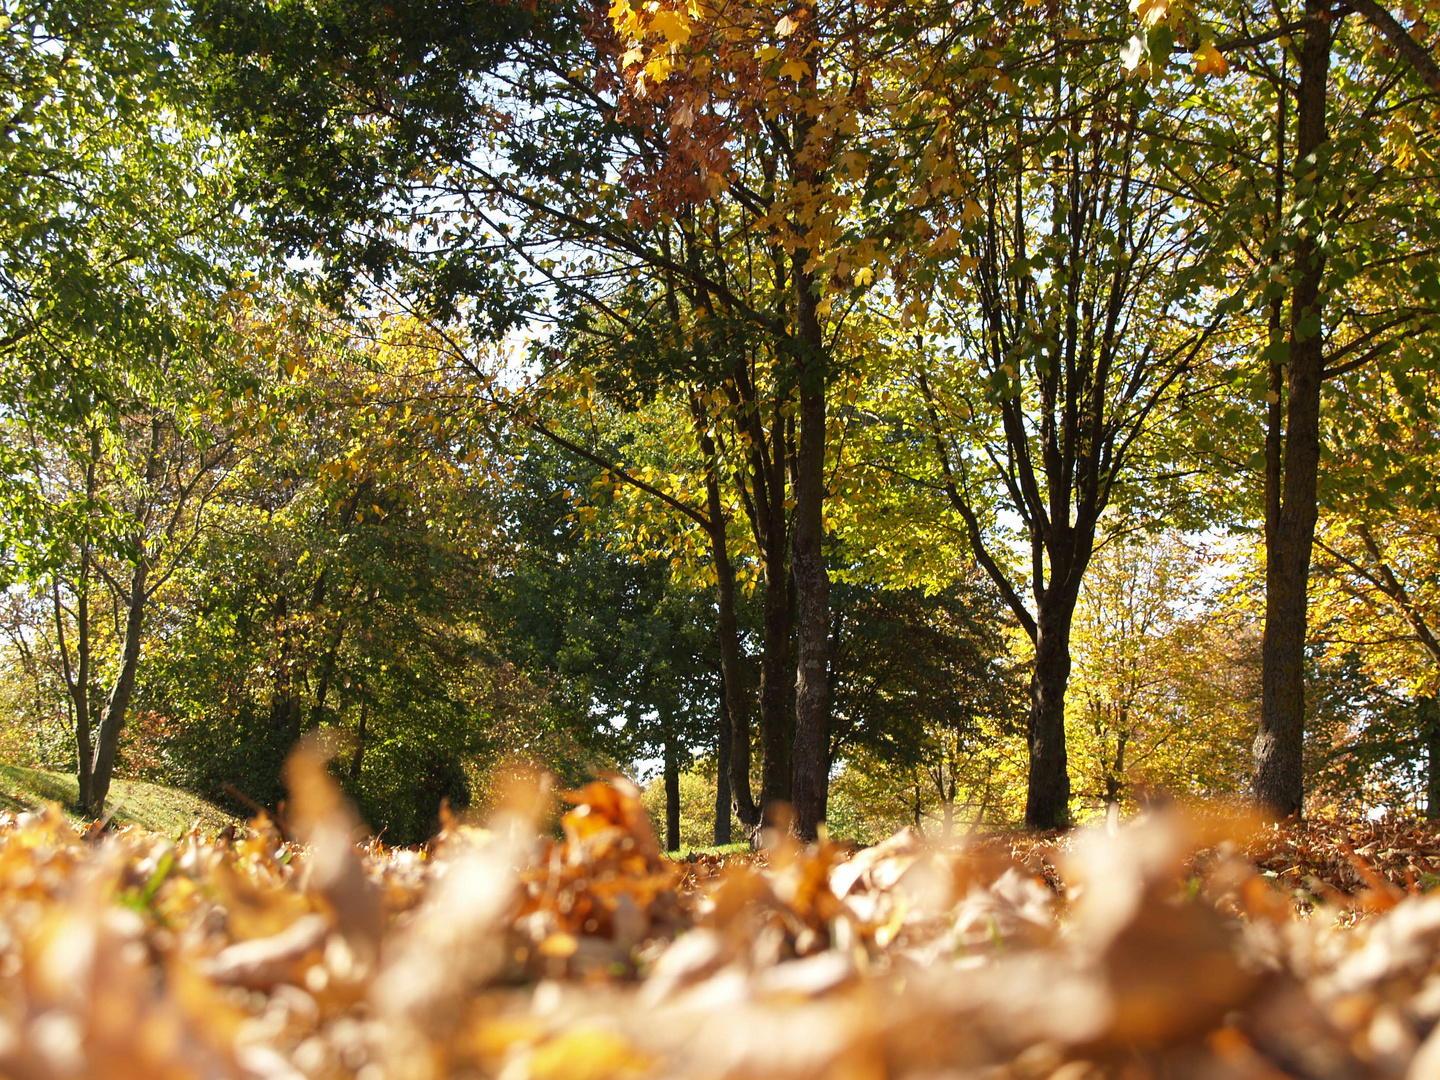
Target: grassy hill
pixel 152 806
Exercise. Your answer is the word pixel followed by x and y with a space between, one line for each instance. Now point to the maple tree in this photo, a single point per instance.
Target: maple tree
pixel 1065 331
pixel 1311 208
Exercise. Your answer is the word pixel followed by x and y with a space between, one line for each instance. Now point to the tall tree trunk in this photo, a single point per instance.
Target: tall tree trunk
pixel 1275 397
pixel 723 796
pixel 77 677
pixel 1279 742
pixel 735 700
pixel 112 721
pixel 672 790
pixel 1428 708
pixel 812 585
pixel 1047 800
pixel 777 685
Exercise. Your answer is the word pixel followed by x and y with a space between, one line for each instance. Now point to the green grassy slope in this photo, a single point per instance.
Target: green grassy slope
pixel 152 806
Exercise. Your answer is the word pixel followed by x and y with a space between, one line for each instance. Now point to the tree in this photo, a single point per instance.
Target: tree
pixel 630 652
pixel 1166 678
pixel 116 227
pixel 1313 196
pixel 1064 329
pixel 1377 579
pixel 922 683
pixel 603 135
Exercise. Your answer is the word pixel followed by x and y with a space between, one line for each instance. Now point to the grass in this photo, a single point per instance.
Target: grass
pixel 152 806
pixel 723 849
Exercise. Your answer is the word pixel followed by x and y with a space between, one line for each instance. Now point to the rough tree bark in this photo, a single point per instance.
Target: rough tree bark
pixel 812 584
pixel 1047 797
pixel 1279 742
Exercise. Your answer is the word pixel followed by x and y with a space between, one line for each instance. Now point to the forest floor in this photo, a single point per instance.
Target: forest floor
pixel 154 807
pixel 1179 946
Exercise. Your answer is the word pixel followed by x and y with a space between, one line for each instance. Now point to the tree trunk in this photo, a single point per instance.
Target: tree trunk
pixel 1114 777
pixel 357 756
pixel 723 797
pixel 1429 709
pixel 112 721
pixel 777 683
pixel 327 675
pixel 1047 800
pixel 77 678
pixel 735 701
pixel 812 585
pixel 672 792
pixel 1275 397
pixel 1279 742
pixel 285 709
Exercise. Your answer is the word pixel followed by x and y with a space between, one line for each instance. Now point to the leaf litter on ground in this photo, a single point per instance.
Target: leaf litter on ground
pixel 1180 946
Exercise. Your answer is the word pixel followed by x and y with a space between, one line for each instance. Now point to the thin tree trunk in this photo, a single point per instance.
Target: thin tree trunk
pixel 735 701
pixel 672 791
pixel 810 766
pixel 327 675
pixel 1279 742
pixel 357 756
pixel 723 797
pixel 77 677
pixel 112 721
pixel 79 685
pixel 1047 800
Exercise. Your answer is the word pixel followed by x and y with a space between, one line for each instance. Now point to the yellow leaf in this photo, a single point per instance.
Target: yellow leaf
pixel 658 69
pixel 1208 61
pixel 794 69
pixel 864 276
pixel 945 241
pixel 674 25
pixel 1150 12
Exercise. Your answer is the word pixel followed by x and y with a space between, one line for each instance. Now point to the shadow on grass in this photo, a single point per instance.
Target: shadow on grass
pixel 155 807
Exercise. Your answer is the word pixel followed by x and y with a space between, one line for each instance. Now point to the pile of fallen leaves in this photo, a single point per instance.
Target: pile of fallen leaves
pixel 499 953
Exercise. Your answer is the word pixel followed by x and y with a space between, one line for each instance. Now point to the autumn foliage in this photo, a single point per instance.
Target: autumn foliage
pixel 1161 950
